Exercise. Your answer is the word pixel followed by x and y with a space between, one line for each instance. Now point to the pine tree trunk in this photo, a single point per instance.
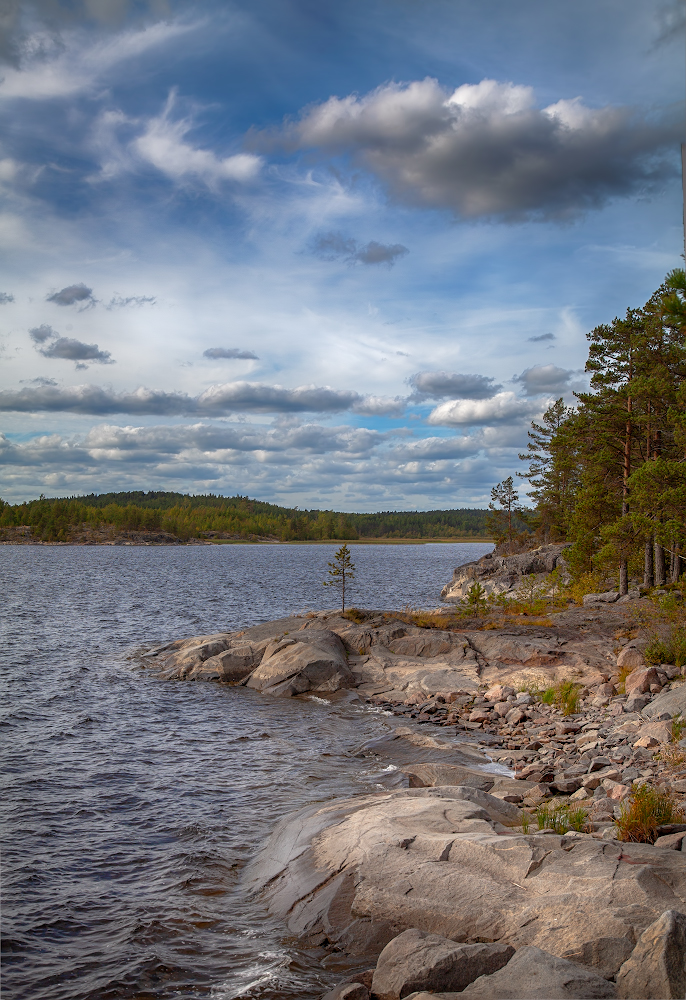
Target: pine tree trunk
pixel 623 577
pixel 648 565
pixel 676 565
pixel 660 578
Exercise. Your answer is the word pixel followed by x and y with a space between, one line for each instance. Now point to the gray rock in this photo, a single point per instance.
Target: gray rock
pixel 348 991
pixel 535 975
pixel 360 871
pixel 430 775
pixel 656 969
pixel 609 597
pixel 416 960
pixel 305 661
pixel 667 704
pixel 636 703
pixel 503 574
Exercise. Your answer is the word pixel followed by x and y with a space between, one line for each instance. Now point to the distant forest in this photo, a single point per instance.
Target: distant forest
pixel 202 516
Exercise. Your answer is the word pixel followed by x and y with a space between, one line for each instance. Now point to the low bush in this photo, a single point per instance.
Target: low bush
pixel 668 647
pixel 645 811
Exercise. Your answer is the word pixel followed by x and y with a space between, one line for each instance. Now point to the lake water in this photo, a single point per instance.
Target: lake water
pixel 131 805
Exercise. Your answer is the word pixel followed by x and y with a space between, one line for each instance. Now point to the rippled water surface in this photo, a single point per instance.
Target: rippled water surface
pixel 131 805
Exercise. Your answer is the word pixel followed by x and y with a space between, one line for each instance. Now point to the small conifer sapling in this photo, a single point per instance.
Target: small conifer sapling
pixel 341 571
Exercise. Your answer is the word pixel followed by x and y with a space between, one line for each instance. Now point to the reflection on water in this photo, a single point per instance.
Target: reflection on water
pixel 131 805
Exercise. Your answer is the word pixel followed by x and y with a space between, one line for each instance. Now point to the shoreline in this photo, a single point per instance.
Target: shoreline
pixel 482 685
pixel 263 541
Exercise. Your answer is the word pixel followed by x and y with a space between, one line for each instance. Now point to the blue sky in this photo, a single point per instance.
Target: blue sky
pixel 328 255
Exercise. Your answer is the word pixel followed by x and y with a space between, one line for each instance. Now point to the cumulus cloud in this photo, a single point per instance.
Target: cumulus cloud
pixel 335 246
pixel 72 294
pixel 439 385
pixel 229 352
pixel 503 407
pixel 218 400
pixel 5 298
pixel 67 348
pixel 70 349
pixel 544 379
pixel 486 150
pixel 543 337
pixel 39 334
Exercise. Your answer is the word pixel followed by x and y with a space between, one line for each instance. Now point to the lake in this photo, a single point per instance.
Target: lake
pixel 131 805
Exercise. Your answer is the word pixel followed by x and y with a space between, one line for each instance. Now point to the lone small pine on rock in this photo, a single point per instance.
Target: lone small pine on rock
pixel 340 570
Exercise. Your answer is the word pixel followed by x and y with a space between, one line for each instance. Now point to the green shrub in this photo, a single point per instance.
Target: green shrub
pixel 668 648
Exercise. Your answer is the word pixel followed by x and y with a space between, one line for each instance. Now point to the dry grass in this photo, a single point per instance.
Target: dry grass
pixel 645 811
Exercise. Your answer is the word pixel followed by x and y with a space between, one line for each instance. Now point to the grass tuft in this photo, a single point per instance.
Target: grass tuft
pixel 646 810
pixel 561 817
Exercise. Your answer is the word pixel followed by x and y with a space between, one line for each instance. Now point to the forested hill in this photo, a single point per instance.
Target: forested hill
pixel 210 516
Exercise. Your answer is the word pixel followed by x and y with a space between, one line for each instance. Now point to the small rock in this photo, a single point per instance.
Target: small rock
pixel 673 841
pixel 636 703
pixel 515 716
pixel 415 960
pixel 656 969
pixel 598 763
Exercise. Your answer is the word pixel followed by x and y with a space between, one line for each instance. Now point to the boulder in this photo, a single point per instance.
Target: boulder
pixel 415 960
pixel 305 661
pixel 640 679
pixel 656 969
pixel 632 657
pixel 608 597
pixel 536 975
pixel 358 872
pixel 503 574
pixel 667 704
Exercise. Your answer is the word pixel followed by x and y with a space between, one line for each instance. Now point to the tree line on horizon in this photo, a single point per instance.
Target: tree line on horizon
pixel 184 516
pixel 608 475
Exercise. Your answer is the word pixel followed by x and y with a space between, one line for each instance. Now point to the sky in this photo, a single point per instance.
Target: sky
pixel 329 255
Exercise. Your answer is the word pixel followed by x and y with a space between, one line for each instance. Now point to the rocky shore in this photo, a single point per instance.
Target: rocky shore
pixel 494 868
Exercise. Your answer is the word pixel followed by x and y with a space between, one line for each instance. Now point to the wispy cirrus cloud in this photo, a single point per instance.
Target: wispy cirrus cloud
pixel 335 246
pixel 229 353
pixel 162 142
pixel 69 62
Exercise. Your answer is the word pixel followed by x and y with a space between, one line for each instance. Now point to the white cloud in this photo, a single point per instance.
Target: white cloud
pixel 161 142
pixel 487 150
pixel 163 145
pixel 503 407
pixel 79 63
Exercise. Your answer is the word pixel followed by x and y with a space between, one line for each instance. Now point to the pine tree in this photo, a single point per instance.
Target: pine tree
pixel 501 521
pixel 341 570
pixel 552 468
